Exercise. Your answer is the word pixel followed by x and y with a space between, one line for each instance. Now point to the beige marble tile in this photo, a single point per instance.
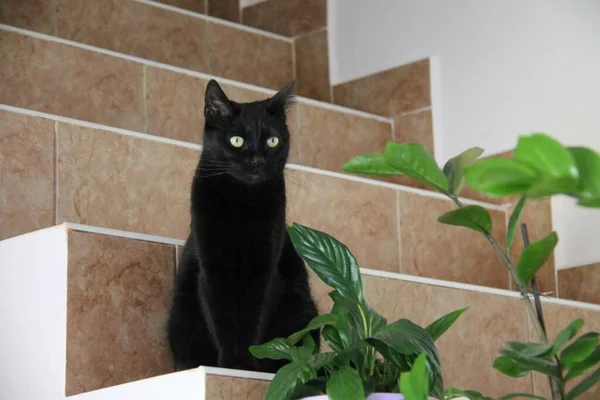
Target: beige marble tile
pixel 35 15
pixel 580 283
pixel 557 317
pixel 249 57
pixel 71 82
pixel 136 29
pixel 225 9
pixel 26 174
pixel 468 348
pixel 312 65
pixel 117 300
pixel 361 216
pixel 435 250
pixel 538 217
pixel 389 93
pixel 288 18
pixel 415 127
pixel 191 5
pixel 228 388
pixel 122 182
pixel 175 103
pixel 327 139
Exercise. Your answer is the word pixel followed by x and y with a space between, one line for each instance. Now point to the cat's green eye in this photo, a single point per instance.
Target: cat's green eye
pixel 272 141
pixel 236 141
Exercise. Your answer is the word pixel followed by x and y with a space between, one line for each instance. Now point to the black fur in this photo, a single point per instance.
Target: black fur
pixel 239 281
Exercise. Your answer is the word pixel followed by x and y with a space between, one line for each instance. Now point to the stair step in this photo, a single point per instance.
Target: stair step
pixel 162 100
pixel 204 383
pixel 175 36
pixel 110 177
pixel 104 295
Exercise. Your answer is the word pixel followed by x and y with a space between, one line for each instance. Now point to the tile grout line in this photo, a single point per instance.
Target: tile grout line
pixel 399 233
pixel 55 172
pixel 197 74
pixel 291 166
pixel 303 35
pixel 294 68
pixel 415 111
pixel 145 96
pixel 210 18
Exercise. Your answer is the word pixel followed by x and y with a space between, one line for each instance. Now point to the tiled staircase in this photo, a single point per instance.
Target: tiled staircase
pixel 100 128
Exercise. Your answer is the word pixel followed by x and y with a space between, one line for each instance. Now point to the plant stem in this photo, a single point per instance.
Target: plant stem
pixel 539 329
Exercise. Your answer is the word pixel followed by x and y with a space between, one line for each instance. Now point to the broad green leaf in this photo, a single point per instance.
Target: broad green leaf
pixel 316 323
pixel 276 349
pixel 531 349
pixel 567 334
pixel 405 337
pixel 588 165
pixel 438 327
pixel 547 187
pixel 333 338
pixel 532 363
pixel 591 203
pixel 376 320
pixel 329 259
pixel 355 312
pixel 584 385
pixel 579 350
pixel 414 385
pixel 318 360
pixel 546 155
pixel 313 387
pixel 513 223
pixel 520 396
pixel 301 354
pixel 497 177
pixel 509 367
pixel 370 164
pixel 454 169
pixel 474 217
pixel 284 383
pixel 414 160
pixel 582 367
pixel 535 256
pixel 345 384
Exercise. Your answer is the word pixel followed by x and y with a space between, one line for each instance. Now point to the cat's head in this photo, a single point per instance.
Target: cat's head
pixel 249 141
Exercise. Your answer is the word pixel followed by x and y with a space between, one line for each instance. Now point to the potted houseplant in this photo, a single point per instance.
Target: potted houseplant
pixel 541 167
pixel 369 356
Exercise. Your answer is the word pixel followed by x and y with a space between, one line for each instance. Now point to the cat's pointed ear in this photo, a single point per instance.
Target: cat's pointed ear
pixel 282 100
pixel 216 104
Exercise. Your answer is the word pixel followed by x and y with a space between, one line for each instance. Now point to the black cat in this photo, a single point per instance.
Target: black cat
pixel 239 281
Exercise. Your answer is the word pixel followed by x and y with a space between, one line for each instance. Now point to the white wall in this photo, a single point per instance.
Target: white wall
pixel 504 68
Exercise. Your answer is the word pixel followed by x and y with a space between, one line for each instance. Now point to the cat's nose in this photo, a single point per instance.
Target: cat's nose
pixel 257 161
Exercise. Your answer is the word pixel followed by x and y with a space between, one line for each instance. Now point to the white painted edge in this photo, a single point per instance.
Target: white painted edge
pixel 364 271
pixel 215 20
pixel 124 234
pixel 237 373
pixel 290 166
pixel 268 92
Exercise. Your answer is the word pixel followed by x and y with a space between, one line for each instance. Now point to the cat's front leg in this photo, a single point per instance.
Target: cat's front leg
pixel 220 310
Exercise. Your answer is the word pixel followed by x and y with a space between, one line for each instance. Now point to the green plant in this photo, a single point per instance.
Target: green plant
pixel 367 354
pixel 541 167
